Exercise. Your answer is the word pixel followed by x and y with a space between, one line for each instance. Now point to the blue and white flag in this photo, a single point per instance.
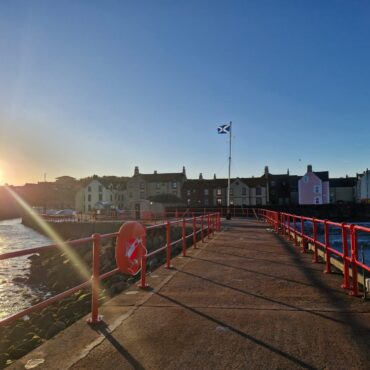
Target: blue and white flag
pixel 224 129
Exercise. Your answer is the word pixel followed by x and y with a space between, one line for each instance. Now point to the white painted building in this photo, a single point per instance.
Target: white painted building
pixel 363 187
pixel 98 191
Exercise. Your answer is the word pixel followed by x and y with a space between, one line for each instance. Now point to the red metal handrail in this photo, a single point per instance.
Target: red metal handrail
pixel 282 223
pixel 94 282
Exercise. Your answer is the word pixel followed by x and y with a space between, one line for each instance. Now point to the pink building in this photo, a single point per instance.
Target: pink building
pixel 313 187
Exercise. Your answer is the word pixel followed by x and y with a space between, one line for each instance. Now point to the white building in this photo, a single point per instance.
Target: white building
pixel 363 187
pixel 97 191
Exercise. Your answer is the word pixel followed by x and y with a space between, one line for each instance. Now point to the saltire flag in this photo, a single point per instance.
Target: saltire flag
pixel 224 129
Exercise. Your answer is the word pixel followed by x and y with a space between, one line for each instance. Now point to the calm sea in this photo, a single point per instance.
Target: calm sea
pixel 14 293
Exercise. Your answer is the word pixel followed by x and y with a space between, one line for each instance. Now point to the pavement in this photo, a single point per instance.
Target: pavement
pixel 244 299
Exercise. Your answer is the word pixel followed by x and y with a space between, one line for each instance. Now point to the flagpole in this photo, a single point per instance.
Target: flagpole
pixel 228 215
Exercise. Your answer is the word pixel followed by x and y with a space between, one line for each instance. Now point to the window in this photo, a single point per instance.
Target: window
pixel 100 188
pixel 219 191
pixel 100 196
pixel 316 189
pixel 89 197
pixel 206 192
pixel 231 191
pixel 317 200
pixel 157 185
pixel 305 179
pixel 237 183
pixel 244 191
pixel 188 201
pixel 89 189
pixel 258 191
pixel 174 185
pixel 273 183
pixel 142 185
pixel 142 195
pixel 219 201
pixel 188 192
pixel 206 202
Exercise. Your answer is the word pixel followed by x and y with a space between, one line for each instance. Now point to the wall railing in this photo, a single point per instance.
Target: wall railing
pixel 307 232
pixel 203 225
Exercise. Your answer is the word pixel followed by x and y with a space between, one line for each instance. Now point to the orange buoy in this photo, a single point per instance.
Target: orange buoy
pixel 130 247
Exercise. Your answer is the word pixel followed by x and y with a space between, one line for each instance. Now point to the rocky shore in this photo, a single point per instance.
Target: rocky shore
pixel 55 272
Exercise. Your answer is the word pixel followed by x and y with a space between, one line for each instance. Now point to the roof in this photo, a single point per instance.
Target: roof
pixel 162 177
pixel 343 182
pixel 106 181
pixel 222 183
pixel 323 175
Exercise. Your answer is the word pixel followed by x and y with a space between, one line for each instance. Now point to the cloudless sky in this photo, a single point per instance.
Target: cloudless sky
pixel 97 87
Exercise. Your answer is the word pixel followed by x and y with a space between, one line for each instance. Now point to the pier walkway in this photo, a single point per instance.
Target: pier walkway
pixel 246 299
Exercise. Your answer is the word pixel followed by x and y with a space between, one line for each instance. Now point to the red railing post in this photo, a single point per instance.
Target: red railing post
pixel 95 281
pixel 346 284
pixel 315 255
pixel 184 237
pixel 302 235
pixel 143 272
pixel 295 229
pixel 288 226
pixel 327 246
pixel 354 292
pixel 194 232
pixel 213 225
pixel 202 227
pixel 168 239
pixel 208 226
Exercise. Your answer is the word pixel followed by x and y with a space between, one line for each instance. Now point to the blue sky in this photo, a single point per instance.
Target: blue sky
pixel 97 87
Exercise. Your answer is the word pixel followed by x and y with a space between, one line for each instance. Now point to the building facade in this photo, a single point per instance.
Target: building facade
pixel 343 190
pixel 363 187
pixel 313 187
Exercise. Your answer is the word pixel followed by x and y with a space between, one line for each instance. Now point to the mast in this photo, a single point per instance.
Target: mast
pixel 228 180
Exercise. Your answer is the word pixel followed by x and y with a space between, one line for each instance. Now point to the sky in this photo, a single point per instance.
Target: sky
pixel 98 87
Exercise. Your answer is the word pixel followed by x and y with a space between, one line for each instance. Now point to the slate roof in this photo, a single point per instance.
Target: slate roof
pixel 162 177
pixel 342 182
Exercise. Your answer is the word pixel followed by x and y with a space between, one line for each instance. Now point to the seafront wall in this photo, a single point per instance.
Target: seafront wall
pixel 75 230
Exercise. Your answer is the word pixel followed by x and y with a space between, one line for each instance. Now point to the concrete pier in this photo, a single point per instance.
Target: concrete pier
pixel 247 299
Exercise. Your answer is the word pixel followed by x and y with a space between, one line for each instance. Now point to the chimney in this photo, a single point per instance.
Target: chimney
pixel 266 170
pixel 136 171
pixel 155 172
pixel 287 172
pixel 201 176
pixel 183 170
pixel 214 176
pixel 309 168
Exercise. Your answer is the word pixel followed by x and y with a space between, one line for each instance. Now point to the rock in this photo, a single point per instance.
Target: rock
pixel 20 279
pixel 55 329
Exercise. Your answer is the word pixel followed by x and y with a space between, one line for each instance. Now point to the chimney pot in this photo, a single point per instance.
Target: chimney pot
pixel 309 168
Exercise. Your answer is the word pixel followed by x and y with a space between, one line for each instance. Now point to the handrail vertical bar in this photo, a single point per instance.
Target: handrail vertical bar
pixel 208 226
pixel 315 252
pixel 168 238
pixel 194 232
pixel 95 281
pixel 346 284
pixel 295 229
pixel 327 246
pixel 354 292
pixel 202 227
pixel 184 237
pixel 302 235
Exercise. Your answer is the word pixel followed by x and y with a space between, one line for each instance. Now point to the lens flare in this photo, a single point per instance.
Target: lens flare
pixel 52 234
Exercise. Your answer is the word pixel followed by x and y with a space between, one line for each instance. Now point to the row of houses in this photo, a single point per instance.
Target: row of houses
pixel 268 189
pixel 175 188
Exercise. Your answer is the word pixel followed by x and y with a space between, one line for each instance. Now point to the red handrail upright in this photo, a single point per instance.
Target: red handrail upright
pixel 194 232
pixel 327 246
pixel 346 283
pixel 168 239
pixel 95 281
pixel 184 237
pixel 303 241
pixel 354 292
pixel 315 251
